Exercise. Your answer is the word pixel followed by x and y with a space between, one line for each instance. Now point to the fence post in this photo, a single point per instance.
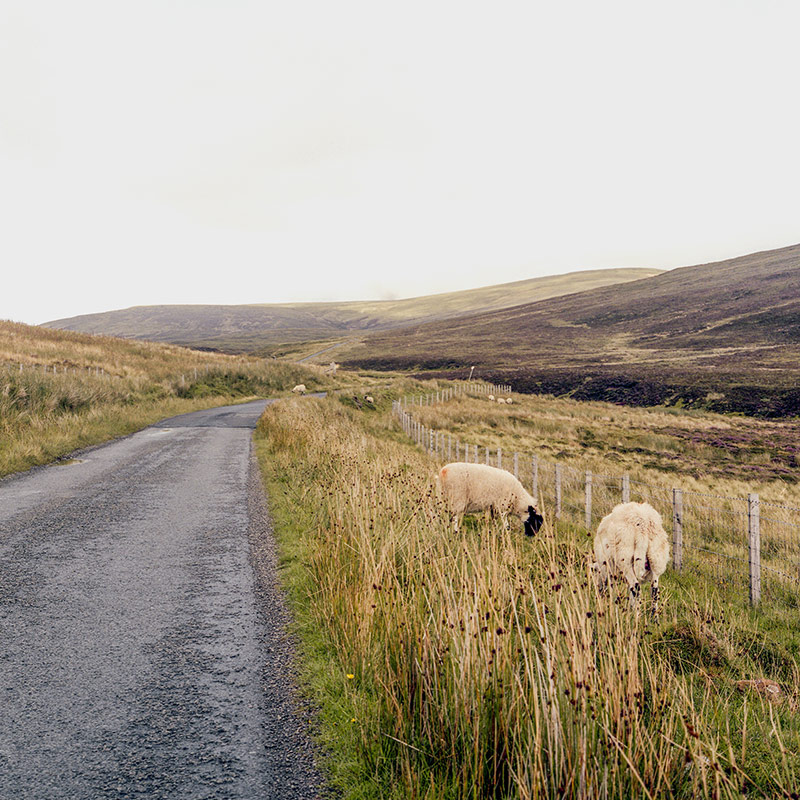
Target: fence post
pixel 754 529
pixel 626 488
pixel 535 477
pixel 516 465
pixel 558 491
pixel 487 455
pixel 588 517
pixel 677 529
pixel 476 454
pixel 449 446
pixel 458 449
pixel 499 458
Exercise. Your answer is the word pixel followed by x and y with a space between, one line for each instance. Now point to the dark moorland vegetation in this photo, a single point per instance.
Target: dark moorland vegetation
pixel 723 336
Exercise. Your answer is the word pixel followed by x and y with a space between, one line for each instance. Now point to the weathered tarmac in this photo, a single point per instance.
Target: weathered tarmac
pixel 143 646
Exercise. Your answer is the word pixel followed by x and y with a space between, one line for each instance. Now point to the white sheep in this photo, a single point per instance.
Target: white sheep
pixel 491 398
pixel 369 399
pixel 468 488
pixel 299 389
pixel 508 401
pixel 631 541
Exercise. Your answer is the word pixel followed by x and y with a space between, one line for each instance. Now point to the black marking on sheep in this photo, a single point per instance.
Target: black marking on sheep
pixel 534 522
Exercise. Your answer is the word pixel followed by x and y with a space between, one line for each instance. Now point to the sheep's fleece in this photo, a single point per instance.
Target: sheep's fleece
pixel 631 541
pixel 468 487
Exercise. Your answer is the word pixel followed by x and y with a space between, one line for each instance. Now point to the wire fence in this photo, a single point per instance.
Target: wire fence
pixel 739 543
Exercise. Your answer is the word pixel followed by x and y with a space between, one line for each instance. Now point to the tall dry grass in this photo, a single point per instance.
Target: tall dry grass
pixel 60 391
pixel 483 664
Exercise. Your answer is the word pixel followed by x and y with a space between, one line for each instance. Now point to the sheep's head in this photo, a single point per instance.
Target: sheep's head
pixel 533 522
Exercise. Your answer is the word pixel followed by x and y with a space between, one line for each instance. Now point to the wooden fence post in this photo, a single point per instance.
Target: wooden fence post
pixel 626 488
pixel 499 458
pixel 588 515
pixel 677 529
pixel 754 530
pixel 487 455
pixel 558 491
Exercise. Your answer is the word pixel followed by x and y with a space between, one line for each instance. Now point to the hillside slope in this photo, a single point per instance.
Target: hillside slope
pixel 249 328
pixel 681 334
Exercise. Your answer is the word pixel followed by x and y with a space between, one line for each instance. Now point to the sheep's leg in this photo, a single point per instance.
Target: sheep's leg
pixel 600 572
pixel 654 598
pixel 632 580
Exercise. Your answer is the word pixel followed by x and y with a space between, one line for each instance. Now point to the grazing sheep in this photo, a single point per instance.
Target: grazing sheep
pixel 491 398
pixel 508 401
pixel 299 389
pixel 478 487
pixel 631 541
pixel 368 398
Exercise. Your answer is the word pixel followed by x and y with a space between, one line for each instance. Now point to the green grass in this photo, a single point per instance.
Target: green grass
pixel 484 664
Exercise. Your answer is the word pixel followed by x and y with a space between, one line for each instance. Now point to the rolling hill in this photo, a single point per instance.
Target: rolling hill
pixel 260 327
pixel 730 328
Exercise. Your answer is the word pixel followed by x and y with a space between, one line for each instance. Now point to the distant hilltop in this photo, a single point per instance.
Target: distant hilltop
pixel 260 328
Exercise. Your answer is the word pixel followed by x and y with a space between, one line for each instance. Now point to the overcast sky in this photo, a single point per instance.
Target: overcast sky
pixel 227 151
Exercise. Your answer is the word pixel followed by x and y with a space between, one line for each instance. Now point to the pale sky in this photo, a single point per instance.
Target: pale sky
pixel 228 151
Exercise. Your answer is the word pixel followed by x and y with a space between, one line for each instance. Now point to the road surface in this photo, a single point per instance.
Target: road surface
pixel 142 640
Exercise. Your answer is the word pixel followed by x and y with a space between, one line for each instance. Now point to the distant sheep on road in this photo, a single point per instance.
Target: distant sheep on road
pixel 631 541
pixel 469 488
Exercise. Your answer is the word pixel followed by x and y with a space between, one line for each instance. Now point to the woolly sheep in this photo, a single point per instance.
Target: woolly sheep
pixel 369 399
pixel 300 388
pixel 491 398
pixel 631 541
pixel 508 401
pixel 467 488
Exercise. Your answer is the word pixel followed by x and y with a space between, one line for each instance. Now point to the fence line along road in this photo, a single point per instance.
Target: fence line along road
pixel 738 542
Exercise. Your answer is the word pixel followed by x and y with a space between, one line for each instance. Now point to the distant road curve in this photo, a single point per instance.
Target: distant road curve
pixel 324 350
pixel 142 638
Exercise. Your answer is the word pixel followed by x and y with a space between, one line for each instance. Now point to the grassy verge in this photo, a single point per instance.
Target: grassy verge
pixel 62 391
pixel 483 664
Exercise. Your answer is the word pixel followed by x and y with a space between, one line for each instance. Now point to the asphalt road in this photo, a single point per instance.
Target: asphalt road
pixel 142 639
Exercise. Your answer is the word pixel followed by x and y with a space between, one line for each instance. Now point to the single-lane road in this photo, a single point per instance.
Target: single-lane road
pixel 142 640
